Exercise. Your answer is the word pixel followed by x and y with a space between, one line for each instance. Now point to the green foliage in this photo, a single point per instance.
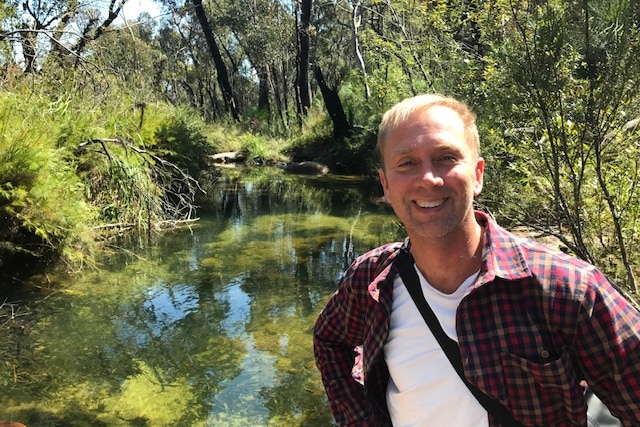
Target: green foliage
pixel 224 137
pixel 563 82
pixel 358 109
pixel 315 139
pixel 181 141
pixel 120 185
pixel 70 163
pixel 43 211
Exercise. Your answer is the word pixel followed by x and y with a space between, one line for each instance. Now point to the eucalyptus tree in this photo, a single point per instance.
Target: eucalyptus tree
pixel 356 22
pixel 58 29
pixel 221 68
pixel 185 73
pixel 129 53
pixel 303 27
pixel 385 50
pixel 250 44
pixel 332 60
pixel 197 51
pixel 262 45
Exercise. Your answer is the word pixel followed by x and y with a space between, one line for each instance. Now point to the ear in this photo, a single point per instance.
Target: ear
pixel 479 172
pixel 383 181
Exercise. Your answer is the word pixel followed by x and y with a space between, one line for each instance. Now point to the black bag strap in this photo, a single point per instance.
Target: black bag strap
pixel 450 347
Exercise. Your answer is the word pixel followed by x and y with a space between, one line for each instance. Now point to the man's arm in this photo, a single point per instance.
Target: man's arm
pixel 608 343
pixel 338 330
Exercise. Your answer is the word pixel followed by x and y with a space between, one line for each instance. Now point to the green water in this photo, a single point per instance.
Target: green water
pixel 206 326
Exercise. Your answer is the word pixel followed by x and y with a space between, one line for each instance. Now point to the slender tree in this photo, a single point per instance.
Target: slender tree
pixel 356 22
pixel 333 104
pixel 303 23
pixel 221 68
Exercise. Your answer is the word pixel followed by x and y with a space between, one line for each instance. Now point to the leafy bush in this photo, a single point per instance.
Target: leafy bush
pixel 182 142
pixel 43 213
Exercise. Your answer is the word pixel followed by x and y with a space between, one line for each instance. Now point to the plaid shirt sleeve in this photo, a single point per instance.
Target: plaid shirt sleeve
pixel 608 344
pixel 338 331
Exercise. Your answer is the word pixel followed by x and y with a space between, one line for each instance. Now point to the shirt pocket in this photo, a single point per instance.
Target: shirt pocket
pixel 543 394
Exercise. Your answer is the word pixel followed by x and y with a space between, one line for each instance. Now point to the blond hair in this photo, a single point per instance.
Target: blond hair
pixel 399 114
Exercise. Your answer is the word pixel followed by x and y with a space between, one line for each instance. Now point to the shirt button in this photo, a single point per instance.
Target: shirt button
pixel 544 354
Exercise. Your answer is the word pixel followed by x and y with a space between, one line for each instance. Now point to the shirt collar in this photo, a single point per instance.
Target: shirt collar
pixel 501 256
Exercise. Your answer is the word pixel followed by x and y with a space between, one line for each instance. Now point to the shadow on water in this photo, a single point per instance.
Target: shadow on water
pixel 206 326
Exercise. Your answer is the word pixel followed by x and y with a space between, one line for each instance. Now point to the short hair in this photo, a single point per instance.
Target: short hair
pixel 400 113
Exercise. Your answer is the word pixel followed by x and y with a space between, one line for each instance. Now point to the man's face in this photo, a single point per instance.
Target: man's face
pixel 431 174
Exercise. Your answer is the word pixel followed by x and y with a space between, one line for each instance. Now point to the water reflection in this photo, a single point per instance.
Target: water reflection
pixel 209 326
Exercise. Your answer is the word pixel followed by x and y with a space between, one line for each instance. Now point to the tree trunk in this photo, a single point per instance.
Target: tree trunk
pixel 341 126
pixel 221 69
pixel 356 20
pixel 264 77
pixel 303 90
pixel 274 86
pixel 285 93
pixel 28 43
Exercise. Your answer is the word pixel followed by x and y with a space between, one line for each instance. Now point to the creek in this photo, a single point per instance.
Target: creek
pixel 208 325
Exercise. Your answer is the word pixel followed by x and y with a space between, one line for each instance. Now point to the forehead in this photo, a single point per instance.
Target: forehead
pixel 436 125
pixel 436 117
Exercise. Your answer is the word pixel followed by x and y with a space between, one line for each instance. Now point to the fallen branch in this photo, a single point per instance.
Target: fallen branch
pixel 174 202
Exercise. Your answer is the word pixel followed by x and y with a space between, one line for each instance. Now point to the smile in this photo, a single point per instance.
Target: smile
pixel 432 204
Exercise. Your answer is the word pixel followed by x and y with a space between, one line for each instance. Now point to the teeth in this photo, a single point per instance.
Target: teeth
pixel 433 204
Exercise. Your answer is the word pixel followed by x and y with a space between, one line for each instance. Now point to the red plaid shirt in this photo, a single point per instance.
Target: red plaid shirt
pixel 535 324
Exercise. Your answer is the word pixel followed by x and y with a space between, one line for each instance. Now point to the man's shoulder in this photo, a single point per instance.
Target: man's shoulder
pixel 375 260
pixel 552 268
pixel 535 252
pixel 515 255
pixel 540 254
pixel 381 252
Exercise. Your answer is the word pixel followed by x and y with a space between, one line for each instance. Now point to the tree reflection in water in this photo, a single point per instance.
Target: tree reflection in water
pixel 206 326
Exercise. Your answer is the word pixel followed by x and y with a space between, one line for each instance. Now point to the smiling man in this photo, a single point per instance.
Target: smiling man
pixel 532 325
pixel 431 172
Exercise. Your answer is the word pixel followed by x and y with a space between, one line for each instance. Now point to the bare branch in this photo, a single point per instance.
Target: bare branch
pixel 178 188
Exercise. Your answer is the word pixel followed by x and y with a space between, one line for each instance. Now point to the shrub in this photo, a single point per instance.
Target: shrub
pixel 43 213
pixel 182 142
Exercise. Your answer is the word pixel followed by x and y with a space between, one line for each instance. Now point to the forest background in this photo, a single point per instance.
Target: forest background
pixel 108 125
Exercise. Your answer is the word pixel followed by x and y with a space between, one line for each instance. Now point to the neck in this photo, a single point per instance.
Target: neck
pixel 447 261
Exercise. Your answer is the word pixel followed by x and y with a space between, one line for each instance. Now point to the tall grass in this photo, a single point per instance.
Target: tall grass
pixel 43 212
pixel 75 169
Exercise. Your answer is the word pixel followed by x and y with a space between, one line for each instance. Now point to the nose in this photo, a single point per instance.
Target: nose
pixel 429 176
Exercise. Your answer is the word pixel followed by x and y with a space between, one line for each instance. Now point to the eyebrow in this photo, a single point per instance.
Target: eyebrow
pixel 404 150
pixel 438 149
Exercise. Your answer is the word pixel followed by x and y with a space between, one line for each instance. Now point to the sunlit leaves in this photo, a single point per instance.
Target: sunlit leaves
pixel 40 193
pixel 572 68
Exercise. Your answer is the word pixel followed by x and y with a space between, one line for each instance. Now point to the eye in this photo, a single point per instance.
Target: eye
pixel 448 158
pixel 405 163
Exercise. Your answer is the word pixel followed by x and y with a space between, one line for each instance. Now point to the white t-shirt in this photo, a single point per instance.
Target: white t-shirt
pixel 424 389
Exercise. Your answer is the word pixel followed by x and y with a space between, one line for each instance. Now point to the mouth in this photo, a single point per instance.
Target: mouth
pixel 429 204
